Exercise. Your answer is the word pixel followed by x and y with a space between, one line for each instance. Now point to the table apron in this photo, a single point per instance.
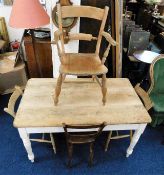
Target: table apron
pixel 60 129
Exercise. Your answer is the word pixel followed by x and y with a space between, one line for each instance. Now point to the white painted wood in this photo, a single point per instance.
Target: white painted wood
pixel 60 129
pixel 135 139
pixel 27 144
pixel 24 132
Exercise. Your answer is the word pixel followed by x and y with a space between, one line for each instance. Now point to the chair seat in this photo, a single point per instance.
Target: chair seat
pixel 82 64
pixel 81 139
pixel 158 102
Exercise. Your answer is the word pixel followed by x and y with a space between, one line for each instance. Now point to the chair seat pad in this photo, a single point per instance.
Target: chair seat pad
pixel 82 64
pixel 158 102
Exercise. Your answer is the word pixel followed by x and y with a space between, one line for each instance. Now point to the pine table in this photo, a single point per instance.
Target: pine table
pixel 79 103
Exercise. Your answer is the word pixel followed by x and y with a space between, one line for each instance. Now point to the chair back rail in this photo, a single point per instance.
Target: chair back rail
pixel 60 28
pixel 82 11
pixel 86 12
pixel 92 135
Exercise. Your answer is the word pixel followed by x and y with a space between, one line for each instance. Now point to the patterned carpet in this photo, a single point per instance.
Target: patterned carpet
pixel 147 158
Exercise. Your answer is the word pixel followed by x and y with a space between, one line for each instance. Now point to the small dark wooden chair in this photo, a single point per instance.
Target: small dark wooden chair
pixel 82 138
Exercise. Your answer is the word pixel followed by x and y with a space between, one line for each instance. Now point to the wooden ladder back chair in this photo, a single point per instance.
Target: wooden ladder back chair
pixel 82 138
pixel 10 110
pixel 82 64
pixel 118 136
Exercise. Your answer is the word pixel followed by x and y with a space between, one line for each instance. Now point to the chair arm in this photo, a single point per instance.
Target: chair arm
pixel 109 38
pixel 111 41
pixel 144 96
pixel 81 36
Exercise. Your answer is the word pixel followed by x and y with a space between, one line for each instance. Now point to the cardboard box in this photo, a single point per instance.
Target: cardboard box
pixel 10 75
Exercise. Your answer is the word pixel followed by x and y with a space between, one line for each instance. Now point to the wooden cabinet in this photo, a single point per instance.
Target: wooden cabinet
pixel 39 57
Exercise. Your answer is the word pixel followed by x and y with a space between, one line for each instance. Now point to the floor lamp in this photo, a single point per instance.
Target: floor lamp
pixel 29 14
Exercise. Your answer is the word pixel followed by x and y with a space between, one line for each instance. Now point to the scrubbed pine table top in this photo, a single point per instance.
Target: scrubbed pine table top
pixel 79 103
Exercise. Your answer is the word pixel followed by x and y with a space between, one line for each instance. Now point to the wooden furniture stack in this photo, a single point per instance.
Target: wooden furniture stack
pixel 39 57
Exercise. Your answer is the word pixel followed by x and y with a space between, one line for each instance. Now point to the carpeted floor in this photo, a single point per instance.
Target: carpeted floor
pixel 147 158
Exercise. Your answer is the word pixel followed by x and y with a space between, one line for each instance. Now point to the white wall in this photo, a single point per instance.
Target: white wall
pixel 14 34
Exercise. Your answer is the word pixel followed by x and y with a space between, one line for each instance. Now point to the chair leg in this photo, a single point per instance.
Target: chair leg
pixel 91 154
pixel 104 88
pixel 53 142
pixel 131 135
pixel 58 89
pixel 108 140
pixel 97 79
pixel 70 152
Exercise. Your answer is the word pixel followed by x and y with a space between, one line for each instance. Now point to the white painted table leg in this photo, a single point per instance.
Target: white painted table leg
pixel 135 139
pixel 27 144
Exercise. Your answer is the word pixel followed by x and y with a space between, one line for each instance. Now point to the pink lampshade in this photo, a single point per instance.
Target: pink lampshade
pixel 28 14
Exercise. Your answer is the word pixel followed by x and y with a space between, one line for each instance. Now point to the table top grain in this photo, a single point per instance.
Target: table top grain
pixel 79 103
